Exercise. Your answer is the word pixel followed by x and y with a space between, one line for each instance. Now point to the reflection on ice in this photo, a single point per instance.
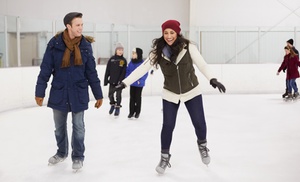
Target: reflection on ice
pixel 250 137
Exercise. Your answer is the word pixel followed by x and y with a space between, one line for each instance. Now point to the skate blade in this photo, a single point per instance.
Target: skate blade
pixel 75 170
pixel 160 170
pixel 51 164
pixel 206 161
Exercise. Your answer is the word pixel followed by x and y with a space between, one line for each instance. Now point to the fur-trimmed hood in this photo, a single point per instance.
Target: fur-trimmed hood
pixel 88 38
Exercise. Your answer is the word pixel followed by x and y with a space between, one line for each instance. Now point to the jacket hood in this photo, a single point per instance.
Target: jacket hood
pixel 90 39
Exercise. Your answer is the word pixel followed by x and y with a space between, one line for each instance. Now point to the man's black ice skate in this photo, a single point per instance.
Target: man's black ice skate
pixel 204 153
pixel 163 163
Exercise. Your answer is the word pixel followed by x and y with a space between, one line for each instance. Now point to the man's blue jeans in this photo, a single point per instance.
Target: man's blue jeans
pixel 61 134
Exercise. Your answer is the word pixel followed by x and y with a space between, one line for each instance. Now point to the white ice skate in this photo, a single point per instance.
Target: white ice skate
pixel 77 164
pixel 55 159
pixel 163 163
pixel 204 153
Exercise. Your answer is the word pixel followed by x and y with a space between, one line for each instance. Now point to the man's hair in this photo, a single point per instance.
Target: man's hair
pixel 70 16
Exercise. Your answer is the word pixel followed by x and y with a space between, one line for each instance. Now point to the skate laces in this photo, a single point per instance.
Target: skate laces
pixel 203 150
pixel 77 164
pixel 164 162
pixel 77 161
pixel 56 159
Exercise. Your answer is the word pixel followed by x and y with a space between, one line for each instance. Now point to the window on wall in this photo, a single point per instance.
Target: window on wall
pixel 245 45
pixel 23 41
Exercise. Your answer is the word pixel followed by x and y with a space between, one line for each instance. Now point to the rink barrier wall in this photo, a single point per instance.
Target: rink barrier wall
pixel 18 84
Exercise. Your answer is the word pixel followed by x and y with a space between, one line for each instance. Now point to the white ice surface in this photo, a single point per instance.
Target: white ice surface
pixel 252 138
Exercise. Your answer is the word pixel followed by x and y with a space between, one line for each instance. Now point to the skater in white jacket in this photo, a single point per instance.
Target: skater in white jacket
pixel 175 56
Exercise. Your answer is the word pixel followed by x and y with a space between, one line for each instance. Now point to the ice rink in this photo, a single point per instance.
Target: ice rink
pixel 252 138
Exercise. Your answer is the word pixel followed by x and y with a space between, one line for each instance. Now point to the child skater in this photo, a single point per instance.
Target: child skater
pixel 136 88
pixel 114 74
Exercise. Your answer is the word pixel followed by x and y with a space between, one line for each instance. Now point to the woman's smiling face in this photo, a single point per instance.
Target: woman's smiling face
pixel 170 36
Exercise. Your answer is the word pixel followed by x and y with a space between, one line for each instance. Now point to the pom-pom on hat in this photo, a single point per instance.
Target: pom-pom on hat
pixel 70 16
pixel 291 41
pixel 172 24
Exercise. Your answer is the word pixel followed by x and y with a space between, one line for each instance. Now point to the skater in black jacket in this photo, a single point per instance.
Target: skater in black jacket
pixel 114 74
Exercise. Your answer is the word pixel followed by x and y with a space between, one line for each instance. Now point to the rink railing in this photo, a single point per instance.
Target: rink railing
pixel 18 84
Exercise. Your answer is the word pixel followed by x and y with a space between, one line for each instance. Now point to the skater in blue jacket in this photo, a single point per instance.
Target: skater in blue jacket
pixel 136 88
pixel 69 60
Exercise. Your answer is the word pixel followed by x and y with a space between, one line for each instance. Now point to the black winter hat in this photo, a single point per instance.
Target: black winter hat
pixel 70 16
pixel 291 41
pixel 139 52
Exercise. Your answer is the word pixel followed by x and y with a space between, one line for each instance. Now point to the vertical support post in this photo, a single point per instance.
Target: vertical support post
pixel 128 43
pixel 199 40
pixel 6 55
pixel 18 42
pixel 258 44
pixel 94 45
pixel 236 46
pixel 295 36
pixel 112 38
pixel 53 28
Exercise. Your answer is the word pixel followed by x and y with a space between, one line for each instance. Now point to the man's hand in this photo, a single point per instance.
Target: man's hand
pixel 39 101
pixel 98 103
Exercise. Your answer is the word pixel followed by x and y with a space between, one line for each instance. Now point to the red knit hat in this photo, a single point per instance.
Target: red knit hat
pixel 172 24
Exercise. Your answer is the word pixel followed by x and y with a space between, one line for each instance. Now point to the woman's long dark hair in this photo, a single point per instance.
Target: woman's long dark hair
pixel 159 43
pixel 292 52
